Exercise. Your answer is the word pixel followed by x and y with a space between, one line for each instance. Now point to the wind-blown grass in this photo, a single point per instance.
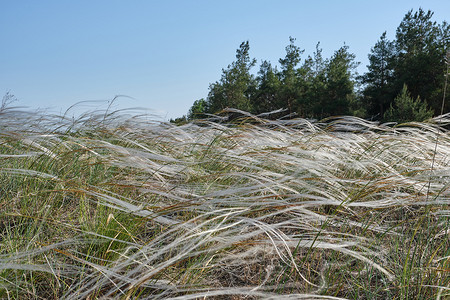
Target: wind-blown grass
pixel 112 205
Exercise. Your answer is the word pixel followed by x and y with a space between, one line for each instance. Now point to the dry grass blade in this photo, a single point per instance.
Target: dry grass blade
pixel 134 208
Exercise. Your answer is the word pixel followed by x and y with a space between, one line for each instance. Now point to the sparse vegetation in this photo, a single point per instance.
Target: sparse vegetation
pixel 117 206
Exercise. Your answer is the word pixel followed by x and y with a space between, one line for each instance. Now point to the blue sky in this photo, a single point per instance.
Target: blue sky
pixel 164 54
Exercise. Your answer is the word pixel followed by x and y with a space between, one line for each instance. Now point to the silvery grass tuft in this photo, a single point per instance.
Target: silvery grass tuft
pixel 113 205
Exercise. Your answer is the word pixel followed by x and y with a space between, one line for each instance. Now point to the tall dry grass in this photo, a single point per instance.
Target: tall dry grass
pixel 113 205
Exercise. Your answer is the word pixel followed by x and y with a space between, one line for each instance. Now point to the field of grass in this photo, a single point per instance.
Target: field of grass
pixel 113 205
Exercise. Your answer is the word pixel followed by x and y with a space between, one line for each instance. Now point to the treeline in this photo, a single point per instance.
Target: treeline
pixel 405 80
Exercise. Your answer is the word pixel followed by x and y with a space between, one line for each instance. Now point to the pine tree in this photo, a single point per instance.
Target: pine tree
pixel 340 81
pixel 236 85
pixel 314 70
pixel 378 92
pixel 268 88
pixel 406 109
pixel 289 78
pixel 421 45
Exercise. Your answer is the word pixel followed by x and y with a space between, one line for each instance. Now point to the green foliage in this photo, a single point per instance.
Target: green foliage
pixel 198 109
pixel 378 78
pixel 234 88
pixel 339 83
pixel 320 87
pixel 179 121
pixel 406 109
pixel 416 58
pixel 421 45
pixel 315 80
pixel 417 33
pixel 267 96
pixel 290 81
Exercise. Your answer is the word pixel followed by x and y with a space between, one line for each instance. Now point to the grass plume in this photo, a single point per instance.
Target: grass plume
pixel 117 205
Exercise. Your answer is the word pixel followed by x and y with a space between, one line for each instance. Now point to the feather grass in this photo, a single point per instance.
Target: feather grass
pixel 115 205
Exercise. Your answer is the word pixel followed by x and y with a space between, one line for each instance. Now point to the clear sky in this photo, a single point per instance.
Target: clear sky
pixel 164 54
